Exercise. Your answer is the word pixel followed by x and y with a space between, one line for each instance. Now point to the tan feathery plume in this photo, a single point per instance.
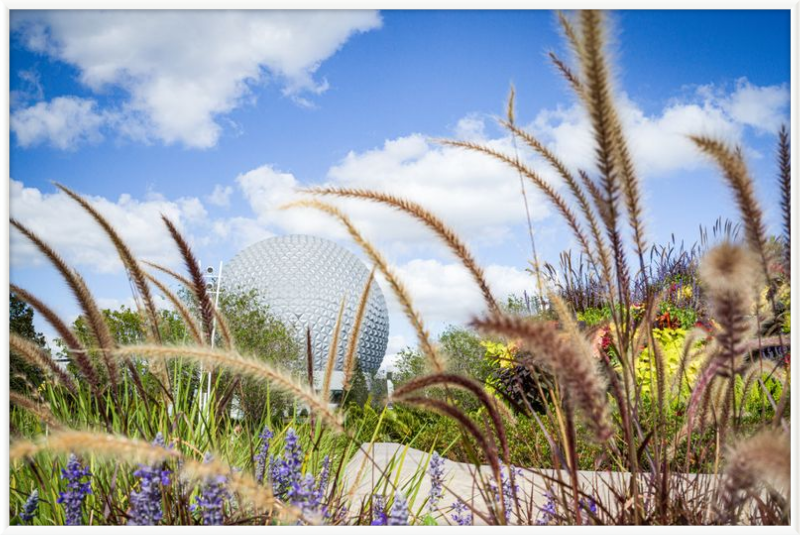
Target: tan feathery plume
pixel 84 297
pixel 131 266
pixel 174 274
pixel 352 343
pixel 198 282
pixel 785 183
pixel 75 350
pixel 428 219
pixel 570 33
pixel 333 352
pixel 765 457
pixel 740 182
pixel 567 73
pixel 575 369
pixel 510 114
pixel 41 411
pixel 729 274
pixel 597 97
pixel 247 367
pixel 380 262
pixel 730 269
pixel 592 24
pixel 194 329
pixel 137 451
pixel 89 442
pixel 38 357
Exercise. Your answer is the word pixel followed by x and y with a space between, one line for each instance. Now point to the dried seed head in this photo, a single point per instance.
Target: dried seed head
pixel 729 269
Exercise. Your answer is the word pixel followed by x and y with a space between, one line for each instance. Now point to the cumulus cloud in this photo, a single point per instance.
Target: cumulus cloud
pixel 445 293
pixel 659 141
pixel 763 108
pixel 478 197
pixel 61 222
pixel 64 123
pixel 221 196
pixel 184 69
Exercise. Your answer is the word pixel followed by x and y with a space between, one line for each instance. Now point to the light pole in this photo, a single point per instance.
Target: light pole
pixel 214 287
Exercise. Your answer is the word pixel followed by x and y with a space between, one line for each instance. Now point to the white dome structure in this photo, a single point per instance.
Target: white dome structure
pixel 303 279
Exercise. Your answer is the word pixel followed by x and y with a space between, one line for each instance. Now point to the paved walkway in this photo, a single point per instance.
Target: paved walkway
pixel 408 468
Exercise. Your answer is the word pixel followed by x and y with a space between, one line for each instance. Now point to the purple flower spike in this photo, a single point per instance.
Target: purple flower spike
pixel 146 502
pixel 263 453
pixel 461 514
pixel 548 511
pixel 29 509
pixel 398 516
pixel 378 511
pixel 436 470
pixel 77 490
pixel 211 499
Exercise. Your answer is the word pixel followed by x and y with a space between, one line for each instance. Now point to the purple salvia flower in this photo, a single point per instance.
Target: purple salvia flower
pixel 510 492
pixel 287 476
pixel 378 511
pixel 263 453
pixel 548 512
pixel 76 492
pixel 589 505
pixel 398 515
pixel 436 471
pixel 30 506
pixel 461 514
pixel 146 502
pixel 211 498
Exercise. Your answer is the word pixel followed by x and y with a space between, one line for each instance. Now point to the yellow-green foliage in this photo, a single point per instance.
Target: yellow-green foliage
pixel 671 342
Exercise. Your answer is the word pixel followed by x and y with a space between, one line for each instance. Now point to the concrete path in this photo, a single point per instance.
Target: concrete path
pixel 408 468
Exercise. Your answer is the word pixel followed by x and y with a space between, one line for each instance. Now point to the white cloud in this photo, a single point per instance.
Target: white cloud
pixel 221 196
pixel 240 231
pixel 659 142
pixel 64 123
pixel 69 229
pixel 445 293
pixel 476 195
pixel 763 108
pixel 183 69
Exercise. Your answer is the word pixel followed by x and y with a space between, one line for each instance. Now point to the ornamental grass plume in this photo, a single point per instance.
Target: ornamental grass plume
pixel 398 515
pixel 30 506
pixel 763 458
pixel 146 508
pixel 77 490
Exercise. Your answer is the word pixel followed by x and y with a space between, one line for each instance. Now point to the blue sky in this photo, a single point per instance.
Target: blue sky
pixel 216 119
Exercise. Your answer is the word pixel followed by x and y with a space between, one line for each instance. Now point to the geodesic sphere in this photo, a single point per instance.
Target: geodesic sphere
pixel 303 279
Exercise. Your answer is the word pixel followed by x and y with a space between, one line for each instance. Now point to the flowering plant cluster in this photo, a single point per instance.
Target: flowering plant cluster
pixel 146 507
pixel 77 490
pixel 210 500
pixel 288 481
pixel 29 509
